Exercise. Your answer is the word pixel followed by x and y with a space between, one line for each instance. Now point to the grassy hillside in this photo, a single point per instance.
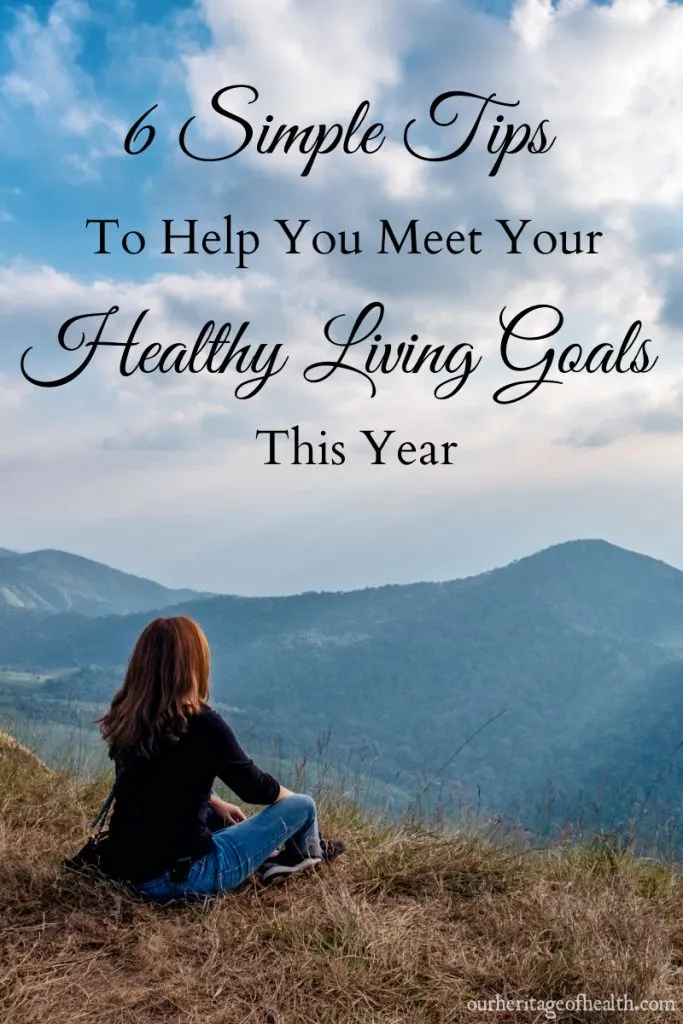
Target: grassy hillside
pixel 407 928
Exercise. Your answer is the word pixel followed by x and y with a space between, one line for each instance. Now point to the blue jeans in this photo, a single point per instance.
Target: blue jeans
pixel 241 849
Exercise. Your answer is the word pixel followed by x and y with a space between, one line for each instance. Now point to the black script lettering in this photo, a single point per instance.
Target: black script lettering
pixel 215 350
pixel 385 358
pixel 310 140
pixel 64 337
pixel 515 138
pixel 573 358
pixel 544 364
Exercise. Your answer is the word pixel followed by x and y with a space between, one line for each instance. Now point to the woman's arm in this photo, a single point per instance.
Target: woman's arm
pixel 233 766
pixel 230 813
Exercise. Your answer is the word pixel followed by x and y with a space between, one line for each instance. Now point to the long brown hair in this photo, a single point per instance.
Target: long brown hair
pixel 167 680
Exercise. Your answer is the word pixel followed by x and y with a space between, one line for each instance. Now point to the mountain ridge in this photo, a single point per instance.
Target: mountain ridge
pixel 49 580
pixel 580 645
pixel 551 552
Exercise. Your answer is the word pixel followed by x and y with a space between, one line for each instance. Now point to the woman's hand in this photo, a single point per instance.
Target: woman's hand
pixel 230 813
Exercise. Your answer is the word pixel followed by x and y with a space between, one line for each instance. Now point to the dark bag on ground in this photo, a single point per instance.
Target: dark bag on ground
pixel 96 854
pixel 93 856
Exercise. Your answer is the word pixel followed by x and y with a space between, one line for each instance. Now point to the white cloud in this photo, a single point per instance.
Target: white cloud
pixel 45 75
pixel 11 394
pixel 306 57
pixel 609 78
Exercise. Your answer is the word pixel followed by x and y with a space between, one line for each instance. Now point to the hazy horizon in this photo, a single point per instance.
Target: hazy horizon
pixel 364 586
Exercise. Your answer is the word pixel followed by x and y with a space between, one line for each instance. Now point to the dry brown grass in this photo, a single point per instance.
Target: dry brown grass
pixel 406 928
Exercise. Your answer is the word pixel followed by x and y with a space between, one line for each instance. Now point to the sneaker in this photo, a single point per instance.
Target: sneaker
pixel 286 864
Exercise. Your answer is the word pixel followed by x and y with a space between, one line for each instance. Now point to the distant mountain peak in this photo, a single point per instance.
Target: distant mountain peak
pixel 582 544
pixel 594 548
pixel 50 580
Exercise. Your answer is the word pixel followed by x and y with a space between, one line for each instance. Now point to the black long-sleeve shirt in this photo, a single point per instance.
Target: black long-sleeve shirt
pixel 161 802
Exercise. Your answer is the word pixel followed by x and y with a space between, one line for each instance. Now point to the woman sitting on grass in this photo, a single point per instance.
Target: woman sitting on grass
pixel 169 834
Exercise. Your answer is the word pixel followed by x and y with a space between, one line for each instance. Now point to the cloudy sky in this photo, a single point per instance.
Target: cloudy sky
pixel 161 475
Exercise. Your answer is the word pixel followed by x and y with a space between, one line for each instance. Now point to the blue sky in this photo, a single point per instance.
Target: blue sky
pixel 165 477
pixel 54 202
